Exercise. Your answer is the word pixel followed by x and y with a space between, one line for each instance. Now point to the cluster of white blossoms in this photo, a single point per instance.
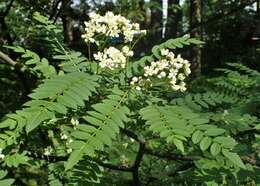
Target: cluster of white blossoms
pixel 110 25
pixel 113 58
pixel 138 82
pixel 68 141
pixel 173 68
pixel 48 150
pixel 74 122
pixel 63 136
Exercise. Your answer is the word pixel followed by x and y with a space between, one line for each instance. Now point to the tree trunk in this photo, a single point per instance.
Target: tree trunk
pixel 156 21
pixel 174 18
pixel 195 19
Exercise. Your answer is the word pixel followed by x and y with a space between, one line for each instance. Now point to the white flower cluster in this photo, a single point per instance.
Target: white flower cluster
pixel 63 136
pixel 113 58
pixel 138 82
pixel 2 156
pixel 68 142
pixel 74 122
pixel 48 150
pixel 173 68
pixel 110 25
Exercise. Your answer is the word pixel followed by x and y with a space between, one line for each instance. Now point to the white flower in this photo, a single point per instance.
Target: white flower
pixel 187 70
pixel 127 51
pixel 138 88
pixel 63 136
pixel 69 150
pixel 134 79
pixel 183 87
pixel 2 156
pixel 176 87
pixel 143 32
pixel 74 121
pixel 163 74
pixel 164 52
pixel 181 76
pixel 173 81
pixel 47 151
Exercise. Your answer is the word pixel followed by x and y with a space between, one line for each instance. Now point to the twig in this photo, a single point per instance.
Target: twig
pixel 114 167
pixel 63 5
pixel 7 59
pixel 54 8
pixel 132 135
pixel 3 23
pixel 171 156
pixel 181 168
pixel 251 159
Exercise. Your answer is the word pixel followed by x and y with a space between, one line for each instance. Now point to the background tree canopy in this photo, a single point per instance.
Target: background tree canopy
pixel 69 116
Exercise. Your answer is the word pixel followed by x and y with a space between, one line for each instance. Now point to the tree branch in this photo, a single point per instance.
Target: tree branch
pixel 132 135
pixel 64 3
pixel 54 159
pixel 114 167
pixel 7 59
pixel 251 159
pixel 171 156
pixel 3 23
pixel 54 8
pixel 181 168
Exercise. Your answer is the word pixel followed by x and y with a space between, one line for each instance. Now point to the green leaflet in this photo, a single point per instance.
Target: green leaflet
pixel 72 61
pixel 6 181
pixel 36 119
pixel 16 159
pixel 179 144
pixel 197 136
pixel 86 172
pixel 215 149
pixel 225 142
pixel 214 132
pixel 106 120
pixel 205 143
pixel 234 158
pixel 74 158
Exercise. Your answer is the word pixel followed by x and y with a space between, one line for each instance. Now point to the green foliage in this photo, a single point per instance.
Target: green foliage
pixel 204 101
pixel 39 67
pixel 179 124
pixel 105 122
pixel 72 62
pixel 5 182
pixel 82 124
pixel 54 96
pixel 175 43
